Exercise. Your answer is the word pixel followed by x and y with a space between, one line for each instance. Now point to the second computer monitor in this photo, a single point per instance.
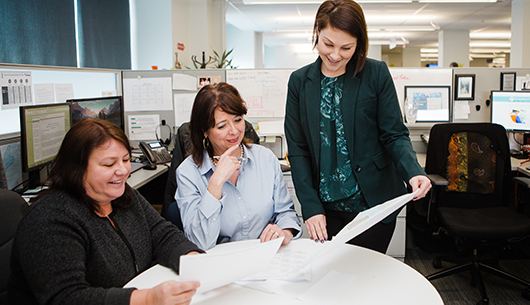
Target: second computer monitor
pixel 106 108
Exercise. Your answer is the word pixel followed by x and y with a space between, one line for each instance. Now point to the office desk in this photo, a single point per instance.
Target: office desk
pixel 143 176
pixel 379 279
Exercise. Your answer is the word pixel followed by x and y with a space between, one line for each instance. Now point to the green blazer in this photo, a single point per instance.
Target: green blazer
pixel 378 142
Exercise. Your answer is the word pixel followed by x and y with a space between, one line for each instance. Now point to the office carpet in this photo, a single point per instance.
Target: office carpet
pixel 457 289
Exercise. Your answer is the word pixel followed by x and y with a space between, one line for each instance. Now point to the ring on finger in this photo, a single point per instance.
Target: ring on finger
pixel 274 232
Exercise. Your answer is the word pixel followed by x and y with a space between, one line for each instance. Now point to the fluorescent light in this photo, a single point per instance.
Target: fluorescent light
pixel 456 1
pixel 402 28
pixel 265 2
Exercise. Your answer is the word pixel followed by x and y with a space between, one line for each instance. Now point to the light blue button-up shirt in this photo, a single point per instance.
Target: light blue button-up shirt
pixel 244 210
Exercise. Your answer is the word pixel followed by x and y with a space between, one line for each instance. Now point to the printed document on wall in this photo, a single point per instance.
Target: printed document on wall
pixel 15 89
pixel 147 94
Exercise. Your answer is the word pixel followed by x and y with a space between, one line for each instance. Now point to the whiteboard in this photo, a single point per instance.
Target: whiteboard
pixel 264 91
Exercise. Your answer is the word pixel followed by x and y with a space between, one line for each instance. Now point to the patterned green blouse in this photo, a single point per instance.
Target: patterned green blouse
pixel 338 187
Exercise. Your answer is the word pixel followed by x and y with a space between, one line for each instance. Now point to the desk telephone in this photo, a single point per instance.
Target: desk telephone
pixel 155 152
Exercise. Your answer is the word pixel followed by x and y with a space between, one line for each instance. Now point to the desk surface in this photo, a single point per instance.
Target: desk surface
pixel 379 279
pixel 143 176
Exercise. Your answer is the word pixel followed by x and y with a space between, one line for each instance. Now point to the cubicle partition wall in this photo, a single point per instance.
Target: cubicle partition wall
pixel 156 95
pixel 31 85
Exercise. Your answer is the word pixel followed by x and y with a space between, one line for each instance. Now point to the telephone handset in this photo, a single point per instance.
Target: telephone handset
pixel 155 153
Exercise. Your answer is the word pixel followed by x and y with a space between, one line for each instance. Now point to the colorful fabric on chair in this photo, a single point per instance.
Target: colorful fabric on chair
pixel 471 163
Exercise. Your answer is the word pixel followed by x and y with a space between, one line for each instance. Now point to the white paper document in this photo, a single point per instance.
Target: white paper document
pixel 362 222
pixel 218 269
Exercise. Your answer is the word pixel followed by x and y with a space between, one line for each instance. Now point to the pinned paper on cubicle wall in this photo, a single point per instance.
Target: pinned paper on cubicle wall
pixel 461 110
pixel 142 127
pixel 44 93
pixel 64 92
pixel 183 104
pixel 184 82
pixel 270 128
pixel 15 89
pixel 147 94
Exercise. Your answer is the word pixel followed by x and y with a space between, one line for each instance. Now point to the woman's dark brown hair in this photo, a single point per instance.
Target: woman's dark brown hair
pixel 210 97
pixel 68 170
pixel 347 16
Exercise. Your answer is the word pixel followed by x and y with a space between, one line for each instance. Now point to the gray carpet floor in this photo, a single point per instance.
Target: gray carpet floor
pixel 457 289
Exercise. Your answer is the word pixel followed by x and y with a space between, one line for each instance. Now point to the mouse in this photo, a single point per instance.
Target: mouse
pixel 149 166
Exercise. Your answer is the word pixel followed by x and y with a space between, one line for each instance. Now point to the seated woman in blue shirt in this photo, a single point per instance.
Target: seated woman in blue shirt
pixel 228 189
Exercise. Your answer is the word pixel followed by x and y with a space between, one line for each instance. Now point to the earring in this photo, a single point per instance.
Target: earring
pixel 204 145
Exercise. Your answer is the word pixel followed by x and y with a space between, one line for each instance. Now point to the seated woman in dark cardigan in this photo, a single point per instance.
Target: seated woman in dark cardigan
pixel 91 233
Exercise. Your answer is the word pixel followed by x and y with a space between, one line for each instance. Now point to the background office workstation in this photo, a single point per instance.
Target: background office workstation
pixel 98 72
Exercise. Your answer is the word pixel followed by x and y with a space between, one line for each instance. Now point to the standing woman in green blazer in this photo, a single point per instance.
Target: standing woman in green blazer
pixel 348 147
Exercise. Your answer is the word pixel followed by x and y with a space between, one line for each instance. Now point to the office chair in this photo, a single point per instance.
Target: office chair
pixel 12 207
pixel 180 152
pixel 470 167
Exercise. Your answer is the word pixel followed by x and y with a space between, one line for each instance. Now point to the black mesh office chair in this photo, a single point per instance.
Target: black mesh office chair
pixel 180 152
pixel 11 211
pixel 471 172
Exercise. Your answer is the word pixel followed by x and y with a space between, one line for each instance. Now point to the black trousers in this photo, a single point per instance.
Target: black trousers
pixel 376 238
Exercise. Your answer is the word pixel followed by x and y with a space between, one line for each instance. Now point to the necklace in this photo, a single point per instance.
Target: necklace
pixel 214 161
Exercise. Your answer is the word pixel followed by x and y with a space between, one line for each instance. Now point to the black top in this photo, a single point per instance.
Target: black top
pixel 65 254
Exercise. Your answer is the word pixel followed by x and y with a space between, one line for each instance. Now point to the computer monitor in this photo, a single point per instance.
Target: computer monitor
pixel 42 129
pixel 511 109
pixel 106 108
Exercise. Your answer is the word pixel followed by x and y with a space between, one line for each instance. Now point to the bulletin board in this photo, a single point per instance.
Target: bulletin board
pixel 264 91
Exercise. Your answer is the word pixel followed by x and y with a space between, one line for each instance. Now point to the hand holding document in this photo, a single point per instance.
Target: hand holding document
pixel 212 270
pixel 362 222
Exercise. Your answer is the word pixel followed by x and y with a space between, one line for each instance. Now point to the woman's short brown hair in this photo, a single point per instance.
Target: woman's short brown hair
pixel 221 95
pixel 347 16
pixel 68 170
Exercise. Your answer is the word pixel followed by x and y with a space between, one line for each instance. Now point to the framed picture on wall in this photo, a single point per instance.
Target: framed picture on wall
pixel 433 102
pixel 465 87
pixel 507 81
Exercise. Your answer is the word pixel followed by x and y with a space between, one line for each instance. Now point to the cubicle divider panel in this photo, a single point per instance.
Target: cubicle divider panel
pixel 55 85
pixel 154 95
pixel 486 80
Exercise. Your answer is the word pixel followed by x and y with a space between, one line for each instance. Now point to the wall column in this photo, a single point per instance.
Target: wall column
pixel 453 46
pixel 411 57
pixel 259 48
pixel 520 41
pixel 200 25
pixel 374 51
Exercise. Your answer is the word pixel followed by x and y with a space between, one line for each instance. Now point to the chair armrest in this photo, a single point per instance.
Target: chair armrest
pixel 523 181
pixel 438 180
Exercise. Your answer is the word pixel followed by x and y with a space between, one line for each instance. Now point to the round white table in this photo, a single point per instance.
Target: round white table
pixel 377 279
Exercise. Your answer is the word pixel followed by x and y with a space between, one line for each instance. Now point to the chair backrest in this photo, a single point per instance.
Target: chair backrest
pixel 475 159
pixel 12 207
pixel 180 152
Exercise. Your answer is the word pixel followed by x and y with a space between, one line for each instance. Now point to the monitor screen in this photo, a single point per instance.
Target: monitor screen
pixel 511 109
pixel 106 108
pixel 42 129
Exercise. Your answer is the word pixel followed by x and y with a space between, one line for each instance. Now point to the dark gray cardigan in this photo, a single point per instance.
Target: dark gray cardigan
pixel 65 254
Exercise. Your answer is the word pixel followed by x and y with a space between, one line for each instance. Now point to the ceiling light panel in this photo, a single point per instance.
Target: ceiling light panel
pixel 266 2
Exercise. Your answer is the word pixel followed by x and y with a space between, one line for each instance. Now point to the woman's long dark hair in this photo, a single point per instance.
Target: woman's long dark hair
pixel 68 170
pixel 210 97
pixel 347 16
